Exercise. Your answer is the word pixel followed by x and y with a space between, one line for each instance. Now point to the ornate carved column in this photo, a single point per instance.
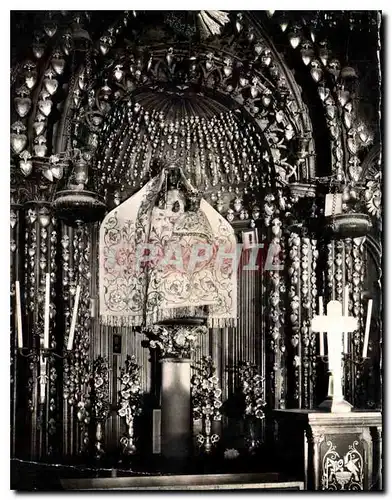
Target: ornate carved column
pixel 302 291
pixel 274 306
pixel 345 267
pixel 295 310
pixel 309 256
pixel 42 394
pixel 75 271
pixel 344 235
pixel 356 348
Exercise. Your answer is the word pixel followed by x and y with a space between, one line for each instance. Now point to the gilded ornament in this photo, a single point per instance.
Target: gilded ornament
pixel 51 85
pixel 58 63
pixel 30 80
pixel 294 38
pixel 38 50
pixel 18 142
pixel 40 150
pixel 50 29
pixel 45 106
pixel 316 71
pixel 39 127
pixel 323 92
pixel 22 106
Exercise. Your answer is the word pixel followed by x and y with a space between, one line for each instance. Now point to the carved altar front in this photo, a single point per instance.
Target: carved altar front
pixel 332 451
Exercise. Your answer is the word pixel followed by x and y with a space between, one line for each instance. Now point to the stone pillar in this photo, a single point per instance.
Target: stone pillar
pixel 176 408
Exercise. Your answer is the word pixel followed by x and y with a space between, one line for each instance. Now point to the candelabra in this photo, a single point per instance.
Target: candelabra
pixel 42 355
pixel 333 402
pixel 208 440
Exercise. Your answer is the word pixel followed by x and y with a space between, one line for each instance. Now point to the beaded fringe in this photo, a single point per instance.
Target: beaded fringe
pixel 167 314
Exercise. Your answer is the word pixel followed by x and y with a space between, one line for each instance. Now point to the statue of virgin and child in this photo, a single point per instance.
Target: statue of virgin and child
pixel 167 255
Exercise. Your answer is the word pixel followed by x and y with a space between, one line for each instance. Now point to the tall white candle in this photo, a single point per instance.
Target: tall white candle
pixel 367 328
pixel 19 315
pixel 345 313
pixel 46 313
pixel 321 334
pixel 73 321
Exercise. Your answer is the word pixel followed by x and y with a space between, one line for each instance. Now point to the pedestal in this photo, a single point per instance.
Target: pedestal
pixel 176 408
pixel 335 402
pixel 331 451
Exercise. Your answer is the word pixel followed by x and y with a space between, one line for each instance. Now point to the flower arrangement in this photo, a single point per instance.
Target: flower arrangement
pixel 177 342
pixel 83 416
pixel 100 390
pixel 130 401
pixel 252 389
pixel 206 395
pixel 231 454
pixel 130 393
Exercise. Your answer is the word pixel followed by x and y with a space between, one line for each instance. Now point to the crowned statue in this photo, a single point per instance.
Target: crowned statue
pixel 165 256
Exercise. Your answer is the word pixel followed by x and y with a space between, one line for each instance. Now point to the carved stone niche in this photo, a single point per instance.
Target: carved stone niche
pixel 331 451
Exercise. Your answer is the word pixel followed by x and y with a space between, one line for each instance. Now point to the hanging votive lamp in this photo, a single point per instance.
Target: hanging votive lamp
pixel 80 37
pixel 349 79
pixel 77 204
pixel 348 225
pixel 348 73
pixel 347 222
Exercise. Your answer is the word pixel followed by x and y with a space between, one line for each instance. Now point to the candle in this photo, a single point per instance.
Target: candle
pixel 345 313
pixel 73 322
pixel 367 328
pixel 43 380
pixel 321 311
pixel 46 313
pixel 19 315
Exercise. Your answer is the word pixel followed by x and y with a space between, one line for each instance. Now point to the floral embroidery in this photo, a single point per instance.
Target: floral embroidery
pixel 156 263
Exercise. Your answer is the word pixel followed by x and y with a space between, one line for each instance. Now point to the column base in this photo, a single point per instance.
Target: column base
pixel 335 406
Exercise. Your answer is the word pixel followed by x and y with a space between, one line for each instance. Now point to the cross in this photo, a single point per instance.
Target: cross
pixel 334 323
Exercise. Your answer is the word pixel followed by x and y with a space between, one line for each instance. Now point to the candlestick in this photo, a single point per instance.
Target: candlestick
pixel 345 313
pixel 19 315
pixel 73 322
pixel 46 313
pixel 334 323
pixel 321 311
pixel 42 380
pixel 367 328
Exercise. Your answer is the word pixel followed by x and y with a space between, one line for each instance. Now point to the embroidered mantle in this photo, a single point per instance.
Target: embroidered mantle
pixel 164 263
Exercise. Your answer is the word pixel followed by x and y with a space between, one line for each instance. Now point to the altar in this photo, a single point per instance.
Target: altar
pixel 195 241
pixel 216 482
pixel 332 451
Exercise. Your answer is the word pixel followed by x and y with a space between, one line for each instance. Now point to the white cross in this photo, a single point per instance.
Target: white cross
pixel 335 323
